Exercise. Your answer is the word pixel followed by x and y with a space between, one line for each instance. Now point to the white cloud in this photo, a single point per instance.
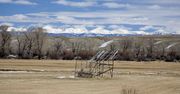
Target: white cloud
pixel 93 3
pixel 8 24
pixel 100 30
pixel 147 27
pixel 75 4
pixel 17 29
pixel 115 5
pixel 141 32
pixel 113 26
pixel 121 31
pixel 14 18
pixel 149 13
pixel 167 17
pixel 21 2
pixel 5 1
pixel 51 29
pixel 25 2
pixel 154 7
pixel 100 17
pixel 77 30
pixel 20 16
pixel 155 1
pixel 24 18
pixel 119 26
pixel 66 19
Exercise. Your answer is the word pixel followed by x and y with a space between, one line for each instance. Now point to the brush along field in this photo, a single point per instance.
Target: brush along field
pixel 56 77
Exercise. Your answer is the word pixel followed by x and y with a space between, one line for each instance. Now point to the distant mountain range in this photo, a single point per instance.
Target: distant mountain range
pixel 91 34
pixel 84 35
pixel 98 35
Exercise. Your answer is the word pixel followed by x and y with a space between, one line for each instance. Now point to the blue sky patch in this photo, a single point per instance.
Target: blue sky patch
pixel 108 16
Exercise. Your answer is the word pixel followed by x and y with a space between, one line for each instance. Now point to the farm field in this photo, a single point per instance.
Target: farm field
pixel 57 77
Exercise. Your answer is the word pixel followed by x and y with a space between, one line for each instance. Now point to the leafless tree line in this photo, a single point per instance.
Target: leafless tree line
pixel 36 44
pixel 146 49
pixel 27 45
pixel 5 39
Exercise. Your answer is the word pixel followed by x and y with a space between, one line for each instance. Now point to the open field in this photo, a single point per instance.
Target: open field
pixel 44 77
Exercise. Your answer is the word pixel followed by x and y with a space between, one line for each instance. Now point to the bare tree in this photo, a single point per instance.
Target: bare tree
pixel 22 43
pixel 150 47
pixel 159 50
pixel 57 48
pixel 39 39
pixel 87 48
pixel 82 47
pixel 126 45
pixel 137 48
pixel 29 44
pixel 76 46
pixel 5 40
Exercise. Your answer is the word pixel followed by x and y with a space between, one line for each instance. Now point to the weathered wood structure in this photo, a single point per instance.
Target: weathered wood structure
pixel 98 65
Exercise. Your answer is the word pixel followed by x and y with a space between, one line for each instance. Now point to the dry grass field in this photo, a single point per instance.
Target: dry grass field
pixel 45 77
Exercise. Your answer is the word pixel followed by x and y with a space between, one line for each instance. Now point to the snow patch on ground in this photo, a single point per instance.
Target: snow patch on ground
pixel 15 72
pixel 66 77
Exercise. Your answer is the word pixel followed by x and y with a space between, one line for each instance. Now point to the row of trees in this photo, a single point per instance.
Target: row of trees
pixel 5 40
pixel 26 44
pixel 148 49
pixel 36 44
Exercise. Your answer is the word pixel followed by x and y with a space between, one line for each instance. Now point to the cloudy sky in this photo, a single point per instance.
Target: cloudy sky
pixel 93 16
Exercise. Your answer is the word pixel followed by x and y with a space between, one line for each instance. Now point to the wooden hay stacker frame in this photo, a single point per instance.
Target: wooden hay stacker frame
pixel 98 65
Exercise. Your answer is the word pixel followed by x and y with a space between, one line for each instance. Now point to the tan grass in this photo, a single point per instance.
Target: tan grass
pixel 145 78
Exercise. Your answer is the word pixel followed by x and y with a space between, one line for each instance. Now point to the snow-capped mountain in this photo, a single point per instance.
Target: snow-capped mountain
pixel 81 31
pixel 98 31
